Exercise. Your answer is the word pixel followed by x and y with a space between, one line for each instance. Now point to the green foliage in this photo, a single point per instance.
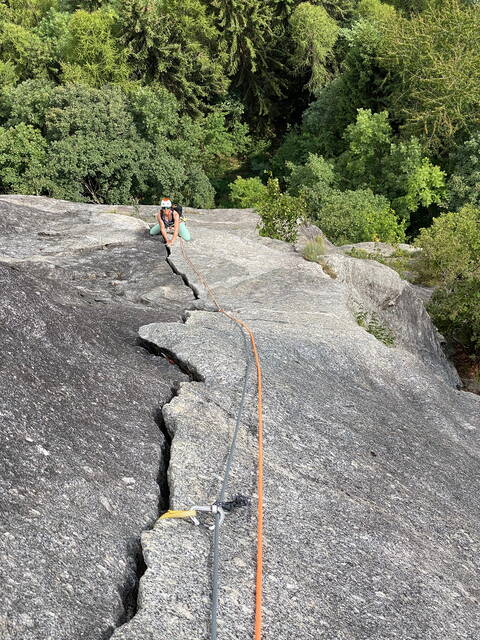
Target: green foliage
pixel 344 216
pixel 23 50
pixel 371 323
pixel 403 262
pixel 247 192
pixel 374 10
pixel 22 160
pixel 354 216
pixel 103 145
pixel 368 142
pixel 214 139
pixel 451 259
pixel 411 180
pixel 411 6
pixel 314 250
pixel 399 171
pixel 456 312
pixel 361 84
pixel 253 33
pixel 27 13
pixel 174 43
pixel 279 213
pixel 8 77
pixel 434 59
pixel 326 118
pixel 451 246
pixel 464 183
pixel 295 149
pixel 315 179
pixel 314 34
pixel 89 52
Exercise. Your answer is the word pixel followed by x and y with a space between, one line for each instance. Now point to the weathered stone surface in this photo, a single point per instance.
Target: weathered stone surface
pixel 372 455
pixel 309 232
pixel 81 441
pixel 381 248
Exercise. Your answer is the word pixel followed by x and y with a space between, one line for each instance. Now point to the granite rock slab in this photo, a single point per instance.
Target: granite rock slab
pixel 371 455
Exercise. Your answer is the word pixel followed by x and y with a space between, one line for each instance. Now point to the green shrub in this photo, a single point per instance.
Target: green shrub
pixel 455 310
pixel 354 216
pixel 314 250
pixel 317 175
pixel 451 259
pixel 247 192
pixel 22 160
pixel 403 262
pixel 279 213
pixel 451 247
pixel 464 184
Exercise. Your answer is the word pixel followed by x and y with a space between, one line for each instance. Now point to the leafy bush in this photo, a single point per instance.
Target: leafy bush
pixel 403 262
pixel 317 175
pixel 354 216
pixel 399 171
pixel 451 259
pixel 247 192
pixel 22 160
pixel 451 247
pixel 279 213
pixel 464 184
pixel 456 312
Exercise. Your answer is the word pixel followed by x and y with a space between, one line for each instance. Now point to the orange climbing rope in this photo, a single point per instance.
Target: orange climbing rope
pixel 259 568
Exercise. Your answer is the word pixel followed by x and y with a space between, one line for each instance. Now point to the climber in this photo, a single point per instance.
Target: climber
pixel 170 220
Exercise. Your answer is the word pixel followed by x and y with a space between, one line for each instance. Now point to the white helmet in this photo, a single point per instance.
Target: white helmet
pixel 166 203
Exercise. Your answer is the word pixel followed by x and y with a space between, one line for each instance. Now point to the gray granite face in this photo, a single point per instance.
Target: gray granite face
pixel 371 455
pixel 371 452
pixel 82 441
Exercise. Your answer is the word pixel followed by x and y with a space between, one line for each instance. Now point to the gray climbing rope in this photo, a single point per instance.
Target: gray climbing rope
pixel 221 495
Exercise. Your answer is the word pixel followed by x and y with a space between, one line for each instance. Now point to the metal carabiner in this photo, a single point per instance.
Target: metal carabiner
pixel 213 509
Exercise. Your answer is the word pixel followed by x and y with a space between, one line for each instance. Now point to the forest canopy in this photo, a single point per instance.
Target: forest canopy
pixel 126 100
pixel 361 116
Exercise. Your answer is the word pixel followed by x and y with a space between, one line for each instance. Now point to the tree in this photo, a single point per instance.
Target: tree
pixel 174 43
pixel 22 160
pixel 89 52
pixel 355 216
pixel 436 69
pixel 400 171
pixel 253 33
pixel 368 142
pixel 314 34
pixel 23 51
pixel 464 183
pixel 27 13
pixel 451 259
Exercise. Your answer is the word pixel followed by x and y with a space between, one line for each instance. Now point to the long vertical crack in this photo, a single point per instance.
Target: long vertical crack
pixel 136 563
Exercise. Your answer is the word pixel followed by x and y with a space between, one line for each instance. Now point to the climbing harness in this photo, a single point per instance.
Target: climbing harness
pixel 220 507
